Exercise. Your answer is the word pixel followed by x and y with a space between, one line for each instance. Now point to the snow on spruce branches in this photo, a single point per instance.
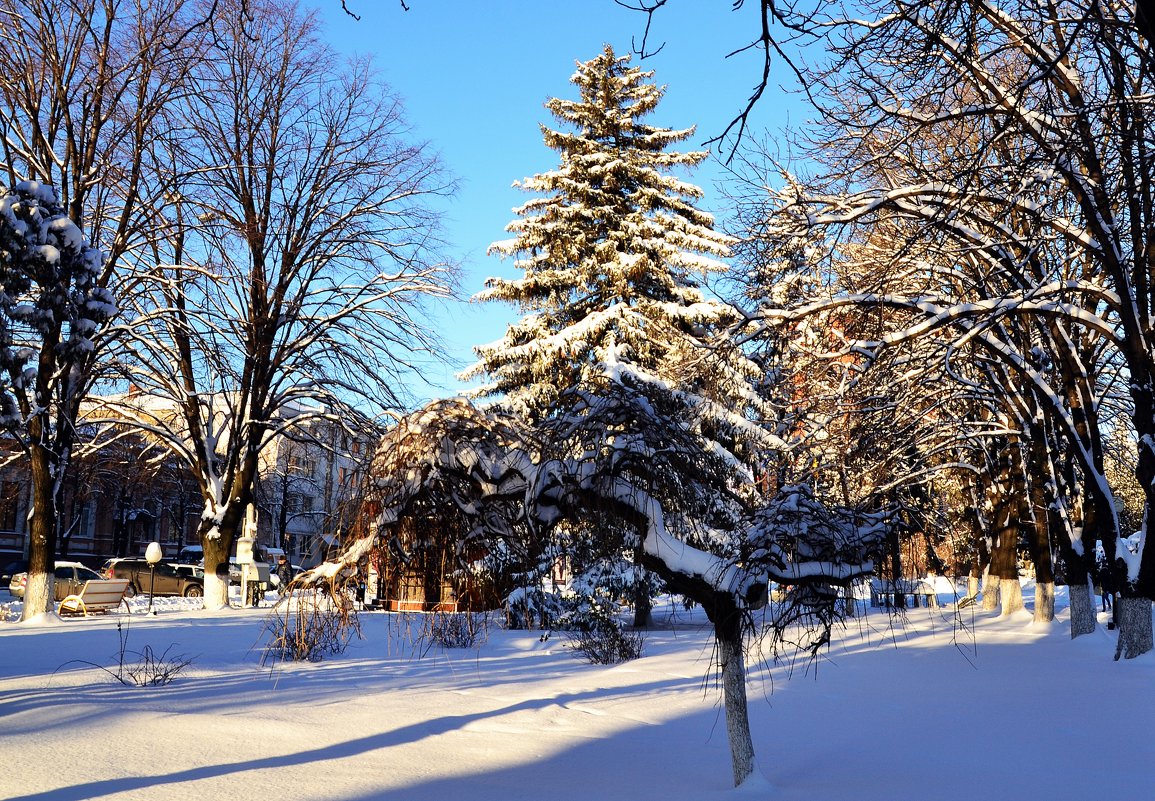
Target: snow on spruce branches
pixel 651 426
pixel 609 249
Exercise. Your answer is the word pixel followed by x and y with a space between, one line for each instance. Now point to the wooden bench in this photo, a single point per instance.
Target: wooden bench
pixel 885 593
pixel 95 596
pixel 965 601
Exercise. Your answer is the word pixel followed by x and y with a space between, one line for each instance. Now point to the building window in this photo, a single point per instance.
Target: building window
pixel 297 504
pixel 9 505
pixel 302 464
pixel 87 522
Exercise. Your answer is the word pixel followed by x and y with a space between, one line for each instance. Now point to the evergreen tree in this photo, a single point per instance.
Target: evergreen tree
pixel 650 421
pixel 610 250
pixel 52 311
pixel 610 253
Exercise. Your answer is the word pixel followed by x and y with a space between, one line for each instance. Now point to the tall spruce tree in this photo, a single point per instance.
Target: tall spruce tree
pixel 651 422
pixel 611 248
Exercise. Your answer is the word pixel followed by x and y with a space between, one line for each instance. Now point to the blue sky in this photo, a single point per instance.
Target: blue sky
pixel 474 77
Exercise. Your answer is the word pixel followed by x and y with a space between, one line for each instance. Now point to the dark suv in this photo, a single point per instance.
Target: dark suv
pixel 170 579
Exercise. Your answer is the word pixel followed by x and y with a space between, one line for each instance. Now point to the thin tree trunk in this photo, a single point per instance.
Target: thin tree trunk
pixel 1007 551
pixel 728 635
pixel 1079 573
pixel 992 537
pixel 641 592
pixel 894 547
pixel 1035 510
pixel 979 561
pixel 1082 518
pixel 1076 531
pixel 978 537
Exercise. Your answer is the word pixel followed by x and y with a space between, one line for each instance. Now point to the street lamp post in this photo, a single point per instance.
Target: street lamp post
pixel 152 555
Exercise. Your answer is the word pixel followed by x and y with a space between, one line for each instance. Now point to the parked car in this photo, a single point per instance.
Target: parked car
pixel 197 573
pixel 10 570
pixel 194 554
pixel 234 570
pixel 70 577
pixel 170 578
pixel 191 554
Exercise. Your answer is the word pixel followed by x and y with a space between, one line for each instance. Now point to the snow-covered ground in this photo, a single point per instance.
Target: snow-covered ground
pixel 925 709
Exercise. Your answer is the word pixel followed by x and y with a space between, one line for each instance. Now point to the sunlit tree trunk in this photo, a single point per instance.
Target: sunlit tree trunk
pixel 728 635
pixel 39 593
pixel 1080 562
pixel 1002 589
pixel 1035 511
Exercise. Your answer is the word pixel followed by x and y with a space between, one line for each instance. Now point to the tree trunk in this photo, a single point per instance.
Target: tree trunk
pixel 1133 603
pixel 1079 526
pixel 1005 560
pixel 998 538
pixel 979 557
pixel 1079 571
pixel 1082 605
pixel 990 590
pixel 728 635
pixel 724 612
pixel 216 551
pixel 894 546
pixel 1003 571
pixel 643 606
pixel 979 561
pixel 1044 601
pixel 39 594
pixel 1035 510
pixel 1134 615
pixel 1010 596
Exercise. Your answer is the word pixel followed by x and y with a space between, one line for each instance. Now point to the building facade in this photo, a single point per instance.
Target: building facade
pixel 129 493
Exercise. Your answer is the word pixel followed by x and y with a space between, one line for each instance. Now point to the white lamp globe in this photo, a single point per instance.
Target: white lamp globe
pixel 153 553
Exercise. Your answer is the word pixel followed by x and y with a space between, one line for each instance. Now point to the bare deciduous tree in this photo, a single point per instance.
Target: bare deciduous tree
pixel 82 85
pixel 300 247
pixel 1041 190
